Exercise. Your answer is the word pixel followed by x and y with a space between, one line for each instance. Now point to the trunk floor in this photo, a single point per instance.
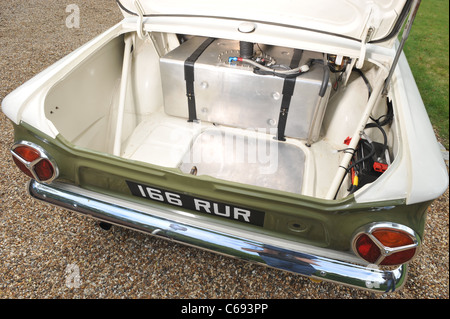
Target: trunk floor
pixel 246 159
pixel 237 155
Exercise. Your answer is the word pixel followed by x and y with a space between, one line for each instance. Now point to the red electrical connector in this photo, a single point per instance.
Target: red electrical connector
pixel 380 167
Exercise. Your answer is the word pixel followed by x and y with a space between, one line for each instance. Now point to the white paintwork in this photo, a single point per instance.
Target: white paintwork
pixel 378 85
pixel 348 18
pixel 161 140
pixel 32 93
pixel 26 103
pixel 417 174
pixel 122 93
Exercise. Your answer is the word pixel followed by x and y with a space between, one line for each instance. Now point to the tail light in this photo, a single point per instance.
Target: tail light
pixel 386 243
pixel 34 161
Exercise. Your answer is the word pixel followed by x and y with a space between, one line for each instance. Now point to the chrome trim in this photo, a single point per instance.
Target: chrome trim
pixel 30 165
pixel 187 229
pixel 384 250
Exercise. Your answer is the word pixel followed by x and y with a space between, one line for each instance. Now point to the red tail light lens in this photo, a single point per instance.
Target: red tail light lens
pixel 27 153
pixel 22 167
pixel 396 239
pixel 34 161
pixel 44 170
pixel 383 244
pixel 367 249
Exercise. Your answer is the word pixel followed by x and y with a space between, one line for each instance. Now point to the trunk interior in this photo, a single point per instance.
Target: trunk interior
pixel 135 99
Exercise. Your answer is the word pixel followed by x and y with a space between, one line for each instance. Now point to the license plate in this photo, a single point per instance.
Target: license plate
pixel 200 205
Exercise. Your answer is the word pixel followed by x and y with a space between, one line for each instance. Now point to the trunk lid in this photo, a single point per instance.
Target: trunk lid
pixel 363 20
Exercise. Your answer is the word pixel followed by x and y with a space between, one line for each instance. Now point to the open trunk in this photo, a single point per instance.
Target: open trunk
pixel 190 103
pixel 293 138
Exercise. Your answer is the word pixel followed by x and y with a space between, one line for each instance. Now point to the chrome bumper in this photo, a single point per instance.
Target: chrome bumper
pixel 185 228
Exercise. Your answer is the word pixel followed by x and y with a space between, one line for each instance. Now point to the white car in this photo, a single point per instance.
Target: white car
pixel 290 134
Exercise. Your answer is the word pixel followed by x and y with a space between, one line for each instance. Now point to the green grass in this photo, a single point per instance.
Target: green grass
pixel 427 51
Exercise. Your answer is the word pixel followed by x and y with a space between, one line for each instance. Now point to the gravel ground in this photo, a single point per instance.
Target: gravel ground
pixel 39 243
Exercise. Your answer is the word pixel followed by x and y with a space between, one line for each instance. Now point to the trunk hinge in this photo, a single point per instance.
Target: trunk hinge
pixel 140 23
pixel 140 30
pixel 362 54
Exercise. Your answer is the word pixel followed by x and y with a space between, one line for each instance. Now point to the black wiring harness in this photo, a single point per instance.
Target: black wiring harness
pixel 370 159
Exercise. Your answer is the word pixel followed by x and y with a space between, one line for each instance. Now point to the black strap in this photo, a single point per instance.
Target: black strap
pixel 288 91
pixel 189 77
